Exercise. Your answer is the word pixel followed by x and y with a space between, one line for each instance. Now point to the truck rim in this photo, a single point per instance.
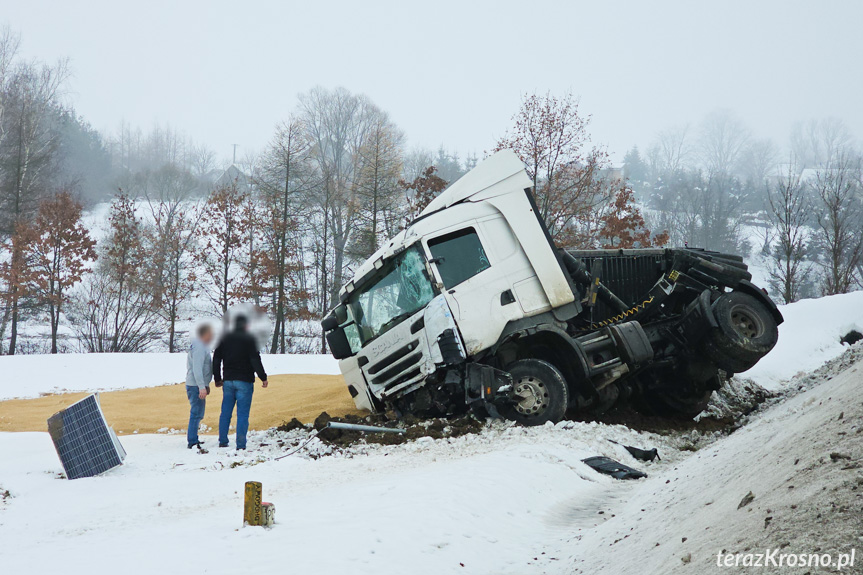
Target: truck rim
pixel 745 322
pixel 532 396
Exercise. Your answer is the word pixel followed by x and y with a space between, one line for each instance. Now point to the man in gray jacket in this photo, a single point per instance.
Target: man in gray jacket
pixel 199 373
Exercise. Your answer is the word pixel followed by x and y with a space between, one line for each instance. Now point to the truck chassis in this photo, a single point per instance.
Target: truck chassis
pixel 659 329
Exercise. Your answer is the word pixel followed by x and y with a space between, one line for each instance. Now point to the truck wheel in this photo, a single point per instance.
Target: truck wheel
pixel 686 401
pixel 680 405
pixel 726 275
pixel 746 332
pixel 539 395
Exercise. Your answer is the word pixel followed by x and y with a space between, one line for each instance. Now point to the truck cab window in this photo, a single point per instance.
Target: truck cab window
pixel 400 289
pixel 459 256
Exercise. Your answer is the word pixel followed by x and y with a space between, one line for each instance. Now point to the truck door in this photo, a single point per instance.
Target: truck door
pixel 472 289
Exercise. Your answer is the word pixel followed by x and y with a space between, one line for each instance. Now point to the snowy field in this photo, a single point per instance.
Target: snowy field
pixel 35 375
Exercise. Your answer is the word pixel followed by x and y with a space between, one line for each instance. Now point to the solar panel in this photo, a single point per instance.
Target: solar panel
pixel 84 442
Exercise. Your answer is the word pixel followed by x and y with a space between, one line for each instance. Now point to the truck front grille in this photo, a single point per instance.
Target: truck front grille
pixel 403 378
pixel 398 368
pixel 402 366
pixel 393 357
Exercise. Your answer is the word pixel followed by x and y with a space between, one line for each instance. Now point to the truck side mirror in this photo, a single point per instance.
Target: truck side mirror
pixel 336 318
pixel 337 340
pixel 329 323
pixel 341 313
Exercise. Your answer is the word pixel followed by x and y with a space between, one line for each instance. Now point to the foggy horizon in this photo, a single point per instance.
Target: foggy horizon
pixel 451 76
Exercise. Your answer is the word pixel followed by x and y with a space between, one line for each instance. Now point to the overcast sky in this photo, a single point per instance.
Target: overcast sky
pixel 451 72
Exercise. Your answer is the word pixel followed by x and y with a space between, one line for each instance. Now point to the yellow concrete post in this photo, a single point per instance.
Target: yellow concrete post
pixel 252 504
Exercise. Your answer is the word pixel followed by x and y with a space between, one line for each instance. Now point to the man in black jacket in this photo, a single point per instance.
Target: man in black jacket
pixel 239 354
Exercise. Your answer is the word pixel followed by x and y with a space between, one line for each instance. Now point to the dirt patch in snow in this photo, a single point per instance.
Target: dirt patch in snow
pixel 415 428
pixel 736 399
pixel 727 409
pixel 851 337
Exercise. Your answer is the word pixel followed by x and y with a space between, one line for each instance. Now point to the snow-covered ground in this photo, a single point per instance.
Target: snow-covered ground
pixel 33 375
pixel 487 503
pixel 509 500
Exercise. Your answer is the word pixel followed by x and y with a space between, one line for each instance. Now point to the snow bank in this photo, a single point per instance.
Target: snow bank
pixel 32 375
pixel 809 337
pixel 677 521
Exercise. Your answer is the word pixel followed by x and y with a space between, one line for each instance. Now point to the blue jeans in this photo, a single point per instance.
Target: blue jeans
pixel 239 393
pixel 196 414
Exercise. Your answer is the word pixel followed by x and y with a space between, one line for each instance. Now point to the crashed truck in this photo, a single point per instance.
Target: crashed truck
pixel 473 306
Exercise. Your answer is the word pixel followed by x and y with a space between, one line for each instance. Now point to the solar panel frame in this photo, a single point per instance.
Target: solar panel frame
pixel 85 443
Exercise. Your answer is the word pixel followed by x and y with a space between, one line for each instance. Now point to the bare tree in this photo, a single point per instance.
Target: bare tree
pixel 758 160
pixel 202 160
pixel 840 221
pixel 29 95
pixel 551 138
pixel 106 320
pixel 122 258
pixel 284 182
pixel 669 152
pixel 9 43
pixel 415 162
pixel 818 142
pixel 723 140
pixel 338 124
pixel 58 249
pixel 378 191
pixel 170 239
pixel 789 213
pixel 113 312
pixel 225 245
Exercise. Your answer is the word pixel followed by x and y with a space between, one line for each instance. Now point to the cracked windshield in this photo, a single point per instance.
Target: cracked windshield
pixel 402 290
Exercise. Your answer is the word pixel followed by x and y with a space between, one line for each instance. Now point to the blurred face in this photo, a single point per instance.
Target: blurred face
pixel 207 336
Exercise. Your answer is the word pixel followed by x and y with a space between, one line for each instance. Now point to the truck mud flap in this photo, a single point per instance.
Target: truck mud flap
pixel 750 288
pixel 483 383
pixel 697 321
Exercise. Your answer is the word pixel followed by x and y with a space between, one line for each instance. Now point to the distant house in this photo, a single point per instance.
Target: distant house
pixel 808 175
pixel 233 174
pixel 613 172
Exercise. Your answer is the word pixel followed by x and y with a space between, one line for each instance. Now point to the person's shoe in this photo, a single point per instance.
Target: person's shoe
pixel 191 445
pixel 223 445
pixel 241 449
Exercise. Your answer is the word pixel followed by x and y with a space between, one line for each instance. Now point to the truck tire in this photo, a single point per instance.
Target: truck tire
pixel 540 393
pixel 687 400
pixel 747 331
pixel 726 275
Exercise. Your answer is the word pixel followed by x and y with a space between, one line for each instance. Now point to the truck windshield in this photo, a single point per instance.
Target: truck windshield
pixel 400 290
